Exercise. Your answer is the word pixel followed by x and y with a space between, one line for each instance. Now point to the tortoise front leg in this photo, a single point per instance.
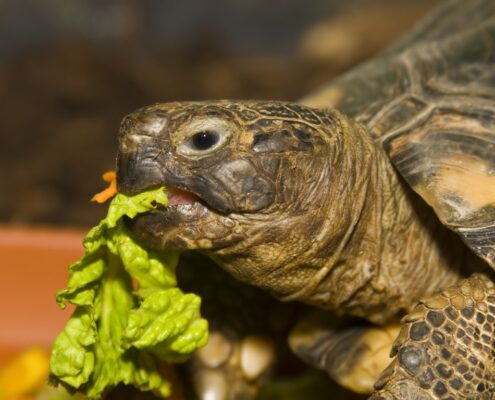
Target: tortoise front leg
pixel 352 355
pixel 446 347
pixel 246 331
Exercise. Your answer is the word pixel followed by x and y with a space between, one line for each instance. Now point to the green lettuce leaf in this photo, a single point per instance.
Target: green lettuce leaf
pixel 167 323
pixel 115 331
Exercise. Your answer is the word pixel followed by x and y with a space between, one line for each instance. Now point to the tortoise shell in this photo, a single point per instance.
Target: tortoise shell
pixel 430 101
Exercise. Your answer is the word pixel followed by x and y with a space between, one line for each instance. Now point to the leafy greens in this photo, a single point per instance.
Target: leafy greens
pixel 115 330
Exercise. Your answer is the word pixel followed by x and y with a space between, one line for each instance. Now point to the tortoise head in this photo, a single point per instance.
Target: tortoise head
pixel 250 183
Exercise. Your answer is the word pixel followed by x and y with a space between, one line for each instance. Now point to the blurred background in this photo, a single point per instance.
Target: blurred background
pixel 69 72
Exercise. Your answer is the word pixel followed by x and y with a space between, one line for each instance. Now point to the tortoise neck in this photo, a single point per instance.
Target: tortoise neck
pixel 398 250
pixel 380 247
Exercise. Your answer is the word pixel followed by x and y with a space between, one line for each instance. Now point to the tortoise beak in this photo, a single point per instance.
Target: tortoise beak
pixel 136 174
pixel 140 155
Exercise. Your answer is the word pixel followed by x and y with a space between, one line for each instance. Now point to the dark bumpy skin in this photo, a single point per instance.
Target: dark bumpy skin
pixel 307 204
pixel 446 347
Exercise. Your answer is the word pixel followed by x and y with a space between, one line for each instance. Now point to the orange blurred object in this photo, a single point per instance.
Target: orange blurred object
pixel 34 265
pixel 110 191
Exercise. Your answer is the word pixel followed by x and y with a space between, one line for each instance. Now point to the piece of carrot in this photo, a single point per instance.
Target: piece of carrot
pixel 110 191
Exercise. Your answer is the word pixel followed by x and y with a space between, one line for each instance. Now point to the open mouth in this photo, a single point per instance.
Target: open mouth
pixel 186 222
pixel 167 226
pixel 178 196
pixel 182 204
pixel 183 207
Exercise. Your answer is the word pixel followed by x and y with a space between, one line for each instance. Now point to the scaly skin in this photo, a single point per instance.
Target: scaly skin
pixel 445 349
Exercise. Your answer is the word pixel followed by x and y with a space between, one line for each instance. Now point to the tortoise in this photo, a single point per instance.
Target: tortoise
pixel 367 208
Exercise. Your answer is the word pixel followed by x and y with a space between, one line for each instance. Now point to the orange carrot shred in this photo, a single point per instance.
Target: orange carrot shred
pixel 110 191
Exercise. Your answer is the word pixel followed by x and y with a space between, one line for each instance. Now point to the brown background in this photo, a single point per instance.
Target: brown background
pixel 69 71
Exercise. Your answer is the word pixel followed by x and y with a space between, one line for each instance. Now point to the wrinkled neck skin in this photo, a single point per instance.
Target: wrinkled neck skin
pixel 352 238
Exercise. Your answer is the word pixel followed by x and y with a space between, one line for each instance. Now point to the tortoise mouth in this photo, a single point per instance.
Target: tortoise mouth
pixel 178 196
pixel 183 205
pixel 167 225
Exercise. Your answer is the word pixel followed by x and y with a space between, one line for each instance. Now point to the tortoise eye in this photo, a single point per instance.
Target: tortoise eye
pixel 203 140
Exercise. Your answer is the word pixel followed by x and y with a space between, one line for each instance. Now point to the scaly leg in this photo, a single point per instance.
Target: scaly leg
pixel 446 347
